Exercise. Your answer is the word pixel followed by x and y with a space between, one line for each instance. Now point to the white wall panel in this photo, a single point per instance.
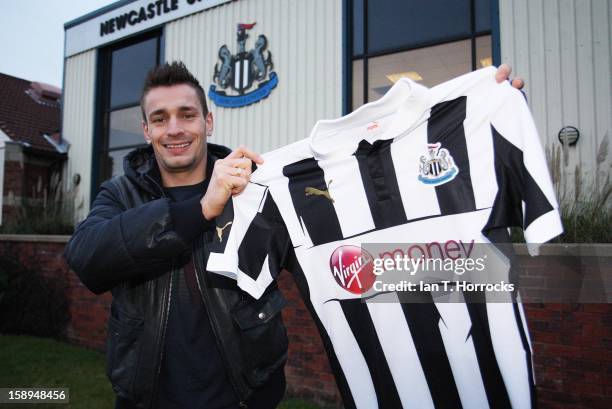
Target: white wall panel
pixel 562 49
pixel 3 139
pixel 304 37
pixel 77 126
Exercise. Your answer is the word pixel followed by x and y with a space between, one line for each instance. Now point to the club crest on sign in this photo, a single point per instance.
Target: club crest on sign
pixel 236 74
pixel 438 166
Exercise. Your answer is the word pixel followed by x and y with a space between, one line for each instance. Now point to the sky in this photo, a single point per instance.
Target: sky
pixel 32 36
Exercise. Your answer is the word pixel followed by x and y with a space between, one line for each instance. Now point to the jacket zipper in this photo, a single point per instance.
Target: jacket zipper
pixel 214 325
pixel 212 320
pixel 166 312
pixel 162 334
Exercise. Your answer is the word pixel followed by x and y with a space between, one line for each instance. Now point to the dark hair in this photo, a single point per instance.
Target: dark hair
pixel 168 74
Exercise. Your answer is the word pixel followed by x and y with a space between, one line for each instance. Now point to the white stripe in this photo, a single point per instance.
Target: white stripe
pixel 541 230
pixel 263 201
pixel 454 328
pixel 246 206
pixel 224 263
pixel 524 322
pixel 256 288
pixel 519 129
pixel 400 352
pixel 419 199
pixel 479 142
pixel 245 72
pixel 237 68
pixel 348 353
pixel 511 357
pixel 282 197
pixel 348 192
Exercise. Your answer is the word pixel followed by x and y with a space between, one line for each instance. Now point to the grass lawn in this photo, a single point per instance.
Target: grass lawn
pixel 40 362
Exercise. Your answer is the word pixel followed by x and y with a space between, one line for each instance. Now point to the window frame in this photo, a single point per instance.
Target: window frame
pixel 103 110
pixel 350 58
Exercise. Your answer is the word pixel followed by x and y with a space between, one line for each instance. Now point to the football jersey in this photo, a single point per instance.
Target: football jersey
pixel 452 163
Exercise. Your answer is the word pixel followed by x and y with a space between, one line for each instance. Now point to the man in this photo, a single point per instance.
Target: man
pixel 179 337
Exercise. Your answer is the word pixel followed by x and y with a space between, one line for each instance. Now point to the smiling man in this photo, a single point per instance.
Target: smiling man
pixel 177 336
pixel 173 126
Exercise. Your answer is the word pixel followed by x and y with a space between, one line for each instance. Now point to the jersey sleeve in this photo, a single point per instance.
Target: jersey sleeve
pixel 525 196
pixel 255 248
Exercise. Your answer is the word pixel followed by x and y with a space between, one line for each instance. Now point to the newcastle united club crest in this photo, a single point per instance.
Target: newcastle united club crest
pixel 240 71
pixel 438 167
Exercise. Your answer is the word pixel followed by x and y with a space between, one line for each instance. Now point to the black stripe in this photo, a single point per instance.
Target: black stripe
pixel 515 185
pixel 223 220
pixel 380 183
pixel 300 280
pixel 492 379
pixel 445 126
pixel 501 239
pixel 317 212
pixel 360 321
pixel 423 320
pixel 266 236
pixel 418 219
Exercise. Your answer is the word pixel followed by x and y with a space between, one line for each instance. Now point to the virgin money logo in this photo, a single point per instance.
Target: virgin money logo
pixel 353 268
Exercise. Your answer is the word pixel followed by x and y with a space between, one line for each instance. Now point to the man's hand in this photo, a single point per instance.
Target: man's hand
pixel 503 74
pixel 229 177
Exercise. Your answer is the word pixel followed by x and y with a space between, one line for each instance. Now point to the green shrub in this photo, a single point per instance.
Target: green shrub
pixel 586 208
pixel 41 214
pixel 44 208
pixel 30 303
pixel 34 217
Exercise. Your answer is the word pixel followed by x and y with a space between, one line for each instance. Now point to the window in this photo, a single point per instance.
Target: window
pixel 429 42
pixel 122 70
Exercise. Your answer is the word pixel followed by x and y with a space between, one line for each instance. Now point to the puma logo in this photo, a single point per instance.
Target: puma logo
pixel 309 191
pixel 220 230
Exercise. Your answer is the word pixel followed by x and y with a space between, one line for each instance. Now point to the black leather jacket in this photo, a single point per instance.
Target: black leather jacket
pixel 127 245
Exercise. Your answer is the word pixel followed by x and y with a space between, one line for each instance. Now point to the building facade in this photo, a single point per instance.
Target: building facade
pixel 32 154
pixel 272 68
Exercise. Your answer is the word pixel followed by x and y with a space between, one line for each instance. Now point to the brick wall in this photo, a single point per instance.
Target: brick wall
pixel 13 178
pixel 572 342
pixel 309 375
pixel 88 312
pixel 22 174
pixel 572 349
pixel 13 186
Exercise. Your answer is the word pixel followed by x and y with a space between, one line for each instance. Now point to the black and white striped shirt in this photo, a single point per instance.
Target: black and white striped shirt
pixel 455 162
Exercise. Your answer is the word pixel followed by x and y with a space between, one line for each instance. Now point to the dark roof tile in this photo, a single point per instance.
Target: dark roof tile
pixel 23 118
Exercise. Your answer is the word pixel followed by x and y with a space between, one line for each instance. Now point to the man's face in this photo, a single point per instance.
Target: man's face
pixel 177 129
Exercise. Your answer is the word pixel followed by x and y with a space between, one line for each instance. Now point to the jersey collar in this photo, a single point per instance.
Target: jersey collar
pixel 407 101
